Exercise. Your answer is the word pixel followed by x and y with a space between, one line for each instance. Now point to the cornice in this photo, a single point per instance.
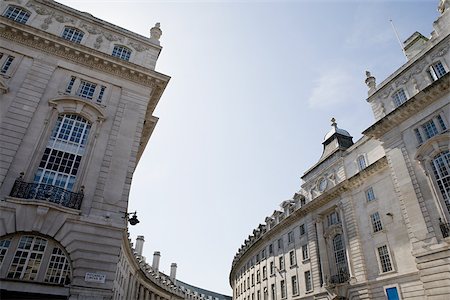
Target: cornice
pixel 80 54
pixel 416 103
pixel 309 208
pixel 159 281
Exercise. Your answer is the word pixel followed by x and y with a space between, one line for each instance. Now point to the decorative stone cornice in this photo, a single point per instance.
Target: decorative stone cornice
pixel 309 208
pixel 80 54
pixel 408 109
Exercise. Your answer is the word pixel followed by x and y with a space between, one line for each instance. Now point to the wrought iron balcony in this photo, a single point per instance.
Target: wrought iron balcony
pixel 445 228
pixel 341 277
pixel 46 192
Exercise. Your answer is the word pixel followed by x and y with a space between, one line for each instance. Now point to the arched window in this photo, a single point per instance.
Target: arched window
pixel 34 258
pixel 441 168
pixel 121 52
pixel 17 14
pixel 73 34
pixel 65 148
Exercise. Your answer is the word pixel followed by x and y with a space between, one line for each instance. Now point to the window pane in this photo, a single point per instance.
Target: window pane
pixel 17 14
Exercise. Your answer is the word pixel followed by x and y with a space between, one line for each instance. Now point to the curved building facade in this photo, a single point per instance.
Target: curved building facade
pixel 371 219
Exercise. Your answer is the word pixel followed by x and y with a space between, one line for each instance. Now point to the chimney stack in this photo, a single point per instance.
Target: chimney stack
pixel 173 272
pixel 139 244
pixel 156 258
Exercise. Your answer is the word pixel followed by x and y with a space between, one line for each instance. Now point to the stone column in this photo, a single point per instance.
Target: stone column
pixel 141 292
pixel 147 294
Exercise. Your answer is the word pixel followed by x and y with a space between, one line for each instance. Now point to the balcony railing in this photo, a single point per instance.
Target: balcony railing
pixel 445 228
pixel 46 192
pixel 341 277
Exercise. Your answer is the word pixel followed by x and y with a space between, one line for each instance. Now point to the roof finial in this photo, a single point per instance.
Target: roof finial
pixel 333 122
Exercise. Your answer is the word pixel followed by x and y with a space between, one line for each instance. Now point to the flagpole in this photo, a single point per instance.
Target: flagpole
pixel 398 39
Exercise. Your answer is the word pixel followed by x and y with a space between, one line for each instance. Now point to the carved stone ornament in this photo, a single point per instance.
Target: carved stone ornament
pixel 98 42
pixel 111 37
pixel 441 52
pixel 138 47
pixel 40 10
pixel 91 29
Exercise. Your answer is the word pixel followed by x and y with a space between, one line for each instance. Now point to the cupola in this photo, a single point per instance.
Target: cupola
pixel 335 139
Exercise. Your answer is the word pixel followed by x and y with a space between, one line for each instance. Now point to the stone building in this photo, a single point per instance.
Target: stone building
pixel 77 96
pixel 371 219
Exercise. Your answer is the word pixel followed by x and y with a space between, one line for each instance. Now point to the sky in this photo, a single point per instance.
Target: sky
pixel 253 87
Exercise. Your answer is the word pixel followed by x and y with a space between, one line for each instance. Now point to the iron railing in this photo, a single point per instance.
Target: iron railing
pixel 445 228
pixel 341 277
pixel 46 192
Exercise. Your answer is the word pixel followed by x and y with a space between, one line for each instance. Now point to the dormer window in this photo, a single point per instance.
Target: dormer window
pixel 17 14
pixel 73 34
pixel 121 52
pixel 436 70
pixel 399 97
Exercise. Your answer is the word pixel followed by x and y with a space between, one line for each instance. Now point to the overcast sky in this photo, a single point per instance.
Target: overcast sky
pixel 254 86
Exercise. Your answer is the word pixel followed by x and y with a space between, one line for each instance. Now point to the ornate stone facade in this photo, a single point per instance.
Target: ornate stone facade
pixel 372 218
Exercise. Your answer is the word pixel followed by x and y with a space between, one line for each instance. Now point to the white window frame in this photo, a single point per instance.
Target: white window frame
pixel 292 258
pixel 122 52
pixel 439 122
pixel 361 162
pixel 291 237
pixel 308 281
pixel 375 220
pixel 434 71
pixel 399 97
pixel 305 252
pixel 17 18
pixel 391 258
pixel 72 34
pixel 294 283
pixel 370 194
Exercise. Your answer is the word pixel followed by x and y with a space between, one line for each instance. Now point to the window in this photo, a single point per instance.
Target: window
pixel 272 291
pixel 283 289
pixel 70 84
pixel 121 52
pixel 73 34
pixel 399 97
pixel 430 128
pixel 58 267
pixel 292 260
pixel 333 218
pixel 65 148
pixel 418 136
pixel 441 169
pixel 436 70
pixel 281 261
pixel 17 14
pixel 258 276
pixel 280 244
pixel 263 254
pixel 28 257
pixel 7 64
pixel 385 259
pixel 253 279
pixel 339 256
pixel 370 195
pixel 290 237
pixel 361 161
pixel 258 295
pixel 308 284
pixel 101 94
pixel 376 222
pixel 302 229
pixel 86 89
pixel 272 268
pixel 305 254
pixel 264 272
pixel 4 245
pixel 294 285
pixel 270 249
pixel 257 258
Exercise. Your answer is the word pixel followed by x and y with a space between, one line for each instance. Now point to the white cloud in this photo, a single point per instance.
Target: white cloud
pixel 333 87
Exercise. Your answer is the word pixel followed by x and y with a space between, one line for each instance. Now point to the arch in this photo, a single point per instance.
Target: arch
pixel 88 110
pixel 32 257
pixel 72 34
pixel 122 52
